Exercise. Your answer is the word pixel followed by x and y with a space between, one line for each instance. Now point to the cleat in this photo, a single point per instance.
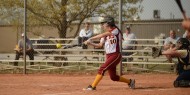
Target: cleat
pixel 132 84
pixel 176 84
pixel 89 88
pixel 182 83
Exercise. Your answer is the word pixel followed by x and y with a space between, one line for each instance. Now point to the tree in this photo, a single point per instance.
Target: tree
pixel 62 13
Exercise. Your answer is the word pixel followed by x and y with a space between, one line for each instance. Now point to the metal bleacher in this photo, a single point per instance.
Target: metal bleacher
pixel 88 59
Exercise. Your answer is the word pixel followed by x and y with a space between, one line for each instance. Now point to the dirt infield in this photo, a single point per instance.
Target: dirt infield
pixel 51 84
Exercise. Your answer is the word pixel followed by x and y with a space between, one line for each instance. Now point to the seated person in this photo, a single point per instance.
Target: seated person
pixel 169 43
pixel 172 39
pixel 125 45
pixel 84 35
pixel 29 49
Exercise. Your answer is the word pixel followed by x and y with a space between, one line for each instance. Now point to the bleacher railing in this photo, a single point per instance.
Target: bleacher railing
pixel 56 58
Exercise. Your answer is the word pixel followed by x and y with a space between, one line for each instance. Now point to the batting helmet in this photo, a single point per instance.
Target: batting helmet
pixel 183 43
pixel 109 20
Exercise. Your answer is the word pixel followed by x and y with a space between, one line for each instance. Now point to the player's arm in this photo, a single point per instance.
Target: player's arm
pixel 172 52
pixel 80 33
pixel 156 52
pixel 97 37
pixel 96 45
pixel 99 45
pixel 19 49
pixel 30 47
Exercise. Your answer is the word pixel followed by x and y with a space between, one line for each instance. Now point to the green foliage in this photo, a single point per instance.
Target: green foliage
pixel 61 13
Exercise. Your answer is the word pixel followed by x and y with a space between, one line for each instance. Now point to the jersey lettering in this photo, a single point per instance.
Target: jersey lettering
pixel 113 41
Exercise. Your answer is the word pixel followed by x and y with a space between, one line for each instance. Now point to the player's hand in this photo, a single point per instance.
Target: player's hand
pixel 20 50
pixel 186 24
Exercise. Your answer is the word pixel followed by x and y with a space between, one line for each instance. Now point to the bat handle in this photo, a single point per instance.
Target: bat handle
pixel 184 15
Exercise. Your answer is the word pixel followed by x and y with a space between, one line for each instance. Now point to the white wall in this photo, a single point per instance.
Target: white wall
pixel 166 7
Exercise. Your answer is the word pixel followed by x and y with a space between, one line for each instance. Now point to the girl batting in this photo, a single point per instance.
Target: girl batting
pixel 111 40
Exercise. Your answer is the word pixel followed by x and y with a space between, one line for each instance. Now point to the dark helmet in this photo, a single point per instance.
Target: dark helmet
pixel 109 20
pixel 183 43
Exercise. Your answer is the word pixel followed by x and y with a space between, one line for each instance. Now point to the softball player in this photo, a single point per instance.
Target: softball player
pixel 182 52
pixel 111 40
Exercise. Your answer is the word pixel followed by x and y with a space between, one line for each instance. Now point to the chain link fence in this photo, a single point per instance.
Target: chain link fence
pixel 55 43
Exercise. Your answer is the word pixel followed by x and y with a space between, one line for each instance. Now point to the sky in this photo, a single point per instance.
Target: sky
pixel 168 9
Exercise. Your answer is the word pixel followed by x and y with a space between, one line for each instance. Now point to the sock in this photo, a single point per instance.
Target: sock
pixel 97 80
pixel 122 79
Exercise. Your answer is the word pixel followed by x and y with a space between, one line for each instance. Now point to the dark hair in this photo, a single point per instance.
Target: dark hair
pixel 128 28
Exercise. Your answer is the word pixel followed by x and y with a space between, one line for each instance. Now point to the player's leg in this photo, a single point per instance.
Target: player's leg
pixel 115 77
pixel 110 59
pixel 98 77
pixel 17 56
pixel 111 62
pixel 182 83
pixel 31 56
pixel 183 80
pixel 80 41
pixel 83 45
pixel 179 68
pixel 113 74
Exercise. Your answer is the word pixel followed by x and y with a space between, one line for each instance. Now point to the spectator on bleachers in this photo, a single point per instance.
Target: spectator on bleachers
pixel 170 41
pixel 84 34
pixel 19 49
pixel 127 36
